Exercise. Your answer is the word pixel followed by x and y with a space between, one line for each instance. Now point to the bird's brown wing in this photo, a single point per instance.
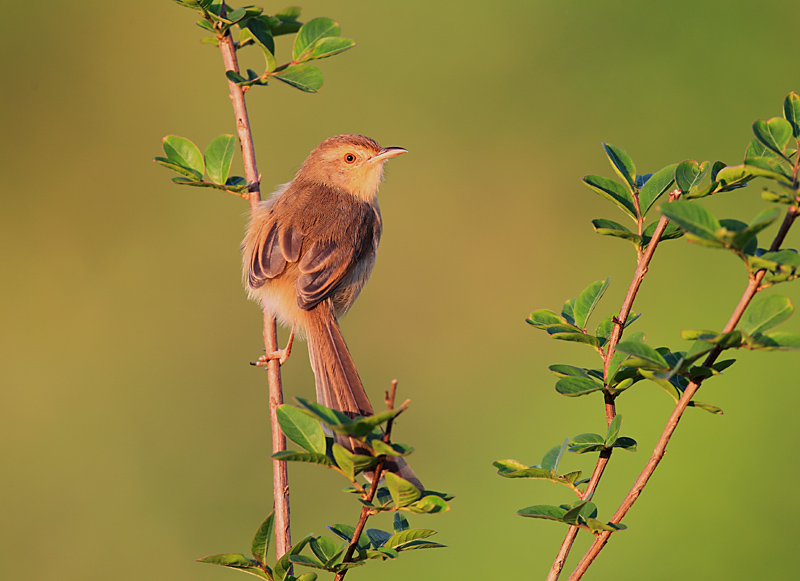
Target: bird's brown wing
pixel 275 245
pixel 325 264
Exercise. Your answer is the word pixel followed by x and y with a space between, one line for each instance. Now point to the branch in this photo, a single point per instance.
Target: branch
pixel 366 512
pixel 616 334
pixel 677 413
pixel 280 484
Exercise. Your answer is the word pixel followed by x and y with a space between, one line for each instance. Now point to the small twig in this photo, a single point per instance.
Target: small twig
pixel 677 413
pixel 280 487
pixel 366 512
pixel 643 263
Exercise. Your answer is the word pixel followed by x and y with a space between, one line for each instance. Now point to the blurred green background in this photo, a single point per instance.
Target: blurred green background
pixel 134 433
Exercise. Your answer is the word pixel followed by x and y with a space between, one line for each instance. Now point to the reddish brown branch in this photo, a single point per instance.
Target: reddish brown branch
pixel 643 263
pixel 366 512
pixel 690 391
pixel 280 485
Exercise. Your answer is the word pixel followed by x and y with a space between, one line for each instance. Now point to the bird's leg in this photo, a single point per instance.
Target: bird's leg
pixel 281 354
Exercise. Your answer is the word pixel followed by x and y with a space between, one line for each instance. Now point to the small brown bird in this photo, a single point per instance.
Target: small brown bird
pixel 310 249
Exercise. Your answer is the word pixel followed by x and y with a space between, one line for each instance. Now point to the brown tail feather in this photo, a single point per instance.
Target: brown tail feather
pixel 337 382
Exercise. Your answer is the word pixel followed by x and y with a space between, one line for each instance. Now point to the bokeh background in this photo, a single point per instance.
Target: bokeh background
pixel 134 433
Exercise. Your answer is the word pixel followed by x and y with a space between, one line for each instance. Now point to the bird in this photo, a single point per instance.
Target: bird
pixel 309 250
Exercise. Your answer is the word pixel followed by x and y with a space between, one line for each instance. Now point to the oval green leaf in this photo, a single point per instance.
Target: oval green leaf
pixel 766 313
pixel 183 152
pixel 304 77
pixel 218 157
pixel 693 218
pixel 622 164
pixel 310 33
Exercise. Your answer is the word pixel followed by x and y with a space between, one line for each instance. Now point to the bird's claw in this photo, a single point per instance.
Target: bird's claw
pixel 281 354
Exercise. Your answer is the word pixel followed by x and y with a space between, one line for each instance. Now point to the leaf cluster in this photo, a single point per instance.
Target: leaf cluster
pixel 303 426
pixel 316 39
pixel 582 514
pixel 771 155
pixel 184 157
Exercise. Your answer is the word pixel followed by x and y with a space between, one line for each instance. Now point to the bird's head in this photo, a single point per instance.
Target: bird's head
pixel 351 162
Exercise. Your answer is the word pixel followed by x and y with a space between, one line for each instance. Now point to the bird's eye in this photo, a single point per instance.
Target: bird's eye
pixel 349 158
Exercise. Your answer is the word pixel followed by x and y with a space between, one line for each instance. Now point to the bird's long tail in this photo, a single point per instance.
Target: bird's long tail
pixel 338 385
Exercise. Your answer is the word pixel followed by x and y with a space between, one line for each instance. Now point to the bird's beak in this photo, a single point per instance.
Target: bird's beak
pixel 388 152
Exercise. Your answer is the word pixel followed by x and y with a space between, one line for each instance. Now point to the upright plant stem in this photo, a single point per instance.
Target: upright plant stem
pixel 280 480
pixel 672 423
pixel 366 511
pixel 610 409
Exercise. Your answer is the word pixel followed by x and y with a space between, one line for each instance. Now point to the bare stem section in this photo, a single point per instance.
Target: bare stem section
pixel 280 485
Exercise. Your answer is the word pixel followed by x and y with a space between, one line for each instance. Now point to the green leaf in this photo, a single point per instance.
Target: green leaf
pixel 183 152
pixel 346 532
pixel 693 218
pixel 671 232
pixel 773 133
pixel 583 443
pixel 614 192
pixel 378 537
pixel 308 577
pixel 649 356
pixel 553 457
pixel 311 32
pixel 324 548
pixel 689 174
pixel 791 111
pixel 543 319
pixel 761 221
pixel 505 467
pixel 360 427
pixel 776 340
pixel 773 168
pixel 625 443
pixel 766 313
pixel 576 337
pixel 261 33
pixel 301 429
pixel 613 430
pixel 235 561
pixel 303 77
pixel 611 228
pixel 587 301
pixel 351 464
pixel 597 526
pixel 327 47
pixel 429 505
pixel 622 164
pixel 658 184
pixel 260 544
pixel 575 386
pixel 307 561
pixel 402 491
pixel 400 523
pixel 283 564
pixel 185 171
pixel 568 311
pixel 325 415
pixel 292 13
pixel 580 512
pixel 544 511
pixel 310 457
pixel 401 538
pixel 420 544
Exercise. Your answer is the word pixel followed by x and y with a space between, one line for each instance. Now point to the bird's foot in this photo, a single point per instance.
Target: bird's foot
pixel 281 354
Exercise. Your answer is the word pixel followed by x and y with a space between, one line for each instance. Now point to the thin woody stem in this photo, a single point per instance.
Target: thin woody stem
pixel 280 484
pixel 610 409
pixel 677 413
pixel 366 512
